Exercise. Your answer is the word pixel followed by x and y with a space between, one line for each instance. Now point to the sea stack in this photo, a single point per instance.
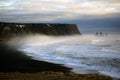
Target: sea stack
pixel 54 29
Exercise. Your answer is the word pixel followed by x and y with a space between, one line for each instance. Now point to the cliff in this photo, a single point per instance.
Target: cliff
pixel 13 29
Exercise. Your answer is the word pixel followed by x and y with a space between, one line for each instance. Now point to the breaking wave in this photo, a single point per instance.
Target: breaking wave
pixel 84 54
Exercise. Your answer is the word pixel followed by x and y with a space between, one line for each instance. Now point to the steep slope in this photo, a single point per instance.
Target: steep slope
pixel 13 29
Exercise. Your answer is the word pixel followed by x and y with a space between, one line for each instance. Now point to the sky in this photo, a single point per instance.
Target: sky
pixel 80 12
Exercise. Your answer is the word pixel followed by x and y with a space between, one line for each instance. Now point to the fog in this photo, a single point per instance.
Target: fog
pixel 38 39
pixel 83 53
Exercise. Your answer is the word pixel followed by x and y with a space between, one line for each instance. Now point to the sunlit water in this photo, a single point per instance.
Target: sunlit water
pixel 84 54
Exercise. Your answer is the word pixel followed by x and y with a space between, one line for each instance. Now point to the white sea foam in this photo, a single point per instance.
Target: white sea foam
pixel 88 52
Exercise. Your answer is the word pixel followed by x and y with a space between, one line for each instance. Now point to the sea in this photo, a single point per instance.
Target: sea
pixel 86 53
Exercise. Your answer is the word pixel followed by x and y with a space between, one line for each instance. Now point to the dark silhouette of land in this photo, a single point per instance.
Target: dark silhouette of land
pixel 12 60
pixel 8 30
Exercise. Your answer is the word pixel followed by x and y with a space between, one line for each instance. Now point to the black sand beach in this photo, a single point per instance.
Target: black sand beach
pixel 12 60
pixel 16 65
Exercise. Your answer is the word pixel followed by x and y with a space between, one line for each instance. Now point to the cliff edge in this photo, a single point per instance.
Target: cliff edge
pixel 13 29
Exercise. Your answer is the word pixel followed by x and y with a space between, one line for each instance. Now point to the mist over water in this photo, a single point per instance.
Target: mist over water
pixel 84 54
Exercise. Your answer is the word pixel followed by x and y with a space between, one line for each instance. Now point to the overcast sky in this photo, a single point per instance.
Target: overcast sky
pixel 82 12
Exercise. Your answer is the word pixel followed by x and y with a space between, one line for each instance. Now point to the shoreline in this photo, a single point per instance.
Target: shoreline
pixel 14 62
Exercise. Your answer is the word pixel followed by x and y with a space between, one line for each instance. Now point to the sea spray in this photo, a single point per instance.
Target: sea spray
pixel 88 52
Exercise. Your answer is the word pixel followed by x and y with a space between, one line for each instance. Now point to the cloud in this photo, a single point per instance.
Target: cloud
pixel 52 10
pixel 111 1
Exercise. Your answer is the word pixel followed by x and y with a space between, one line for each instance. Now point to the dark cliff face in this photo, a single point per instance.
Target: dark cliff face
pixel 13 29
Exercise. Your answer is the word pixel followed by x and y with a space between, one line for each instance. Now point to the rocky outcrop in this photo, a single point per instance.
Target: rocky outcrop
pixel 13 29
